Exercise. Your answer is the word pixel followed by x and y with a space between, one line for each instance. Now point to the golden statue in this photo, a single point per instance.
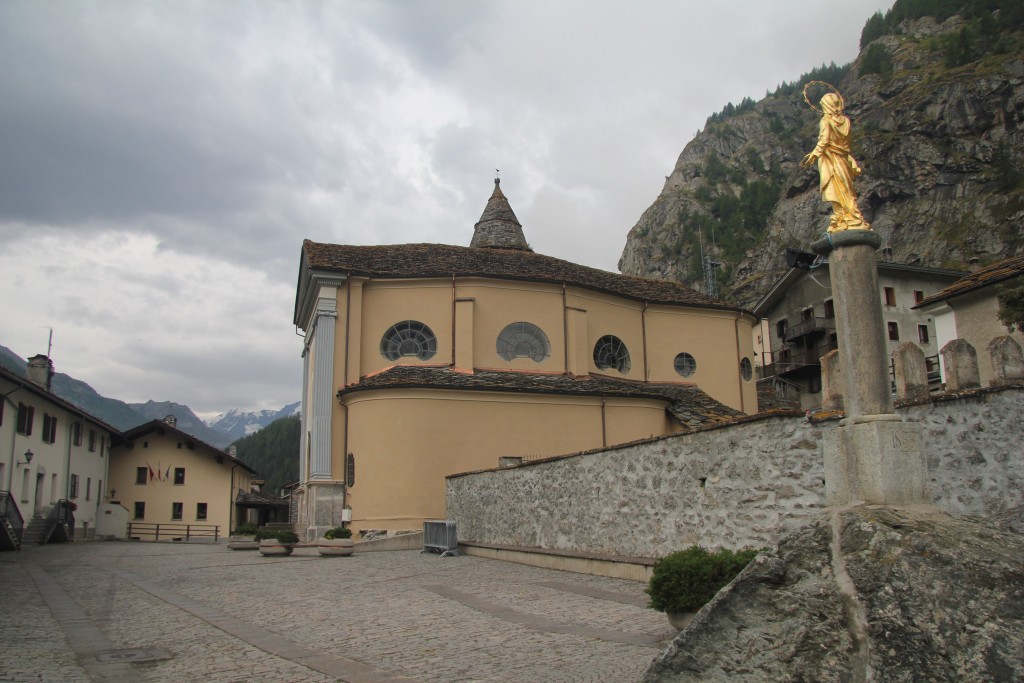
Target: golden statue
pixel 836 167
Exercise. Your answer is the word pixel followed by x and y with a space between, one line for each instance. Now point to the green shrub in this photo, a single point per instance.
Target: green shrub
pixel 686 580
pixel 338 532
pixel 245 529
pixel 283 535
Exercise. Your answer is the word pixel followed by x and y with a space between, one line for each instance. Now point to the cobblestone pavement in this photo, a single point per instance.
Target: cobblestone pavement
pixel 173 612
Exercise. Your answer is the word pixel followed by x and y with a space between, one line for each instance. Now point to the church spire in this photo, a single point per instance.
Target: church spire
pixel 498 227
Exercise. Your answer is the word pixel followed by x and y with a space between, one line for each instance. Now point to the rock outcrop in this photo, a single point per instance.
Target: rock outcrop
pixel 941 146
pixel 867 594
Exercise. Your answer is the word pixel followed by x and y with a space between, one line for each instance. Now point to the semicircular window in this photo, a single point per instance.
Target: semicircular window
pixel 610 352
pixel 408 339
pixel 523 340
pixel 685 364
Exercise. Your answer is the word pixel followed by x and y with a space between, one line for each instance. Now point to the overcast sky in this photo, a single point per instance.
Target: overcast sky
pixel 161 162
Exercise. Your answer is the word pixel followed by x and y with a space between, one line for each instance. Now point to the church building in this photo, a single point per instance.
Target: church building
pixel 424 360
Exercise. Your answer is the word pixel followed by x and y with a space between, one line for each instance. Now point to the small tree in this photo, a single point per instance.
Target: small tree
pixel 1011 308
pixel 338 532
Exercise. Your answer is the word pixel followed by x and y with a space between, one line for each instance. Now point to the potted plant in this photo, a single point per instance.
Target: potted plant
pixel 336 542
pixel 244 538
pixel 686 580
pixel 276 542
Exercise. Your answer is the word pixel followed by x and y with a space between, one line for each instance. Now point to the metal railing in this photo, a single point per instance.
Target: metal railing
pixel 439 537
pixel 11 519
pixel 60 517
pixel 808 326
pixel 150 531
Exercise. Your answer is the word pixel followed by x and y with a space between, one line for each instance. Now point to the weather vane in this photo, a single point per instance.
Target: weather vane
pixel 836 166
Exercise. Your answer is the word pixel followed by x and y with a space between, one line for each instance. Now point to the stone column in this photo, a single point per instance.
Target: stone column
pixel 872 456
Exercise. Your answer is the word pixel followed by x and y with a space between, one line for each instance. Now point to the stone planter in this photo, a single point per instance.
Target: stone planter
pixel 242 543
pixel 680 620
pixel 335 547
pixel 271 547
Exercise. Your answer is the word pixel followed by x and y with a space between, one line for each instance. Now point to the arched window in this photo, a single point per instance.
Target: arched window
pixel 408 339
pixel 685 364
pixel 523 340
pixel 610 352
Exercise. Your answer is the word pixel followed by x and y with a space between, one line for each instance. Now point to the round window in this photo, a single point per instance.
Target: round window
pixel 523 340
pixel 746 369
pixel 685 364
pixel 408 339
pixel 610 352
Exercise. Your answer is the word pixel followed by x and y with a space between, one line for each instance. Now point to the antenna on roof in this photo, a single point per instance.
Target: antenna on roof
pixel 49 344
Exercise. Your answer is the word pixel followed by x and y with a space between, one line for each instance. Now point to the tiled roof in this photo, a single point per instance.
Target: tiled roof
pixel 687 403
pixel 990 275
pixel 498 227
pixel 442 260
pixel 154 425
pixel 42 392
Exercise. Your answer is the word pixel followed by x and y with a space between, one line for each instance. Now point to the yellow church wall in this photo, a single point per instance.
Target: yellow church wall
pixel 206 481
pixel 607 314
pixel 386 302
pixel 406 441
pixel 500 303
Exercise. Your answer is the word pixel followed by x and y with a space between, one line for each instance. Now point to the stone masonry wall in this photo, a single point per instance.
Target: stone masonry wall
pixel 743 485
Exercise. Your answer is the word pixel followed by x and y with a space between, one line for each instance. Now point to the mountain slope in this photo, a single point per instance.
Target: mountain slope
pixel 937 112
pixel 237 424
pixel 274 452
pixel 187 420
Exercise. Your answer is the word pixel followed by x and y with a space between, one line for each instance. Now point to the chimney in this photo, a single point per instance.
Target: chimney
pixel 233 451
pixel 974 264
pixel 171 420
pixel 40 371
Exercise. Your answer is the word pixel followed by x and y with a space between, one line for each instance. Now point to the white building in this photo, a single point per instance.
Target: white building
pixel 54 460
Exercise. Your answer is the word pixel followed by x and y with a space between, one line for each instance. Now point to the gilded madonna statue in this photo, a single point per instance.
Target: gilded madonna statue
pixel 836 166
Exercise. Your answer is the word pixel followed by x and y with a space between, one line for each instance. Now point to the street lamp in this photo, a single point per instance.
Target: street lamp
pixel 28 457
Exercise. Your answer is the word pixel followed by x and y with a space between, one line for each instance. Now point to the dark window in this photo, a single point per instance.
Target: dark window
pixel 74 486
pixel 200 510
pixel 610 352
pixel 746 369
pixel 179 476
pixel 814 384
pixel 890 296
pixel 807 314
pixel 179 444
pixel 918 296
pixel 26 415
pixel 2 404
pixel 140 510
pixel 49 428
pixel 92 440
pixel 830 309
pixel 894 332
pixel 88 487
pixel 76 434
pixel 408 339
pixel 176 510
pixel 141 475
pixel 922 334
pixel 781 328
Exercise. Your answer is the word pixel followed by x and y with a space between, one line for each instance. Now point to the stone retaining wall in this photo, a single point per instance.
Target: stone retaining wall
pixel 736 486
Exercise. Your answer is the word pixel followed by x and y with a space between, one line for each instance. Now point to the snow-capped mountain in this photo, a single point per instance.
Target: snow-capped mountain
pixel 236 423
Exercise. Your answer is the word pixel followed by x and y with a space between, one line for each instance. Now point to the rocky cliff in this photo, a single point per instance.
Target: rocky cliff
pixel 937 105
pixel 867 594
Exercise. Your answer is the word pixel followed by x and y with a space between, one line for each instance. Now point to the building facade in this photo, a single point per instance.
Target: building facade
pixel 422 360
pixel 163 475
pixel 968 309
pixel 799 325
pixel 54 454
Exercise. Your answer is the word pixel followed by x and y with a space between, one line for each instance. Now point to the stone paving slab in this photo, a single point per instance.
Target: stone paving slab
pixel 225 616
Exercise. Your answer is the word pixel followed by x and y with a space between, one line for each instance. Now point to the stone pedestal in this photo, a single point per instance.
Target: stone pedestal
pixel 872 455
pixel 876 459
pixel 327 505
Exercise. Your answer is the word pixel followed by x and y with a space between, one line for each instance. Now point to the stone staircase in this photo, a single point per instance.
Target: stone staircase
pixel 34 532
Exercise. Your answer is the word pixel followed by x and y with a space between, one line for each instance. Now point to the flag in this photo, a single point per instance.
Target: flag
pixel 152 475
pixel 168 475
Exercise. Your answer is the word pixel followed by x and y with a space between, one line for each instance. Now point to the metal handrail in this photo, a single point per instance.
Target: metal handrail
pixel 10 513
pixel 809 325
pixel 174 532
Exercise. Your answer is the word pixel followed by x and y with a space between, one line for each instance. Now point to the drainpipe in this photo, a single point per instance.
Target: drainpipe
pixel 348 322
pixel 739 379
pixel 453 322
pixel 565 329
pixel 67 460
pixel 643 329
pixel 604 424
